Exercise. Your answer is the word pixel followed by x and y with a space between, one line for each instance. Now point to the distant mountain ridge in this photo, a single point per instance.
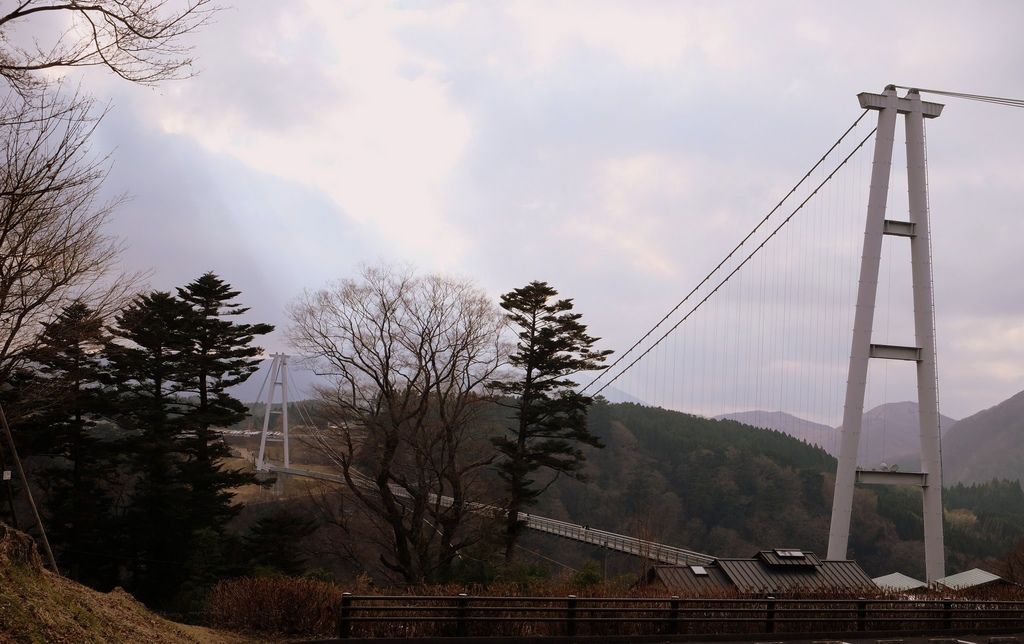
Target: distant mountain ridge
pixel 616 395
pixel 987 445
pixel 808 431
pixel 890 435
pixel 889 432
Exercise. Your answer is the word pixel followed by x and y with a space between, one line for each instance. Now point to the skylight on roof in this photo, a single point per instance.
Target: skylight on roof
pixel 699 570
pixel 790 554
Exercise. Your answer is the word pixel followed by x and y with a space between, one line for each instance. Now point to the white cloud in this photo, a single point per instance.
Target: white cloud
pixel 617 149
pixel 382 145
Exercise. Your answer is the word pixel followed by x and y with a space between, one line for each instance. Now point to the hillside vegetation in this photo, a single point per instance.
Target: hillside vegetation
pixel 728 489
pixel 39 606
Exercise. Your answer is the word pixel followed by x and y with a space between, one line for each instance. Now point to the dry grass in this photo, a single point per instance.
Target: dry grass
pixel 39 606
pixel 280 605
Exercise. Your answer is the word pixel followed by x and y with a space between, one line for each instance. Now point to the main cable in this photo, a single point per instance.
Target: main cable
pixel 738 266
pixel 727 257
pixel 998 100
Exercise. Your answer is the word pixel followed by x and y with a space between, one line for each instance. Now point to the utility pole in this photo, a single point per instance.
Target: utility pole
pixel 8 485
pixel 28 490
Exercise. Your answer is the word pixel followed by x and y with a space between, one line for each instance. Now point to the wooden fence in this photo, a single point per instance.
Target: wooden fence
pixel 465 616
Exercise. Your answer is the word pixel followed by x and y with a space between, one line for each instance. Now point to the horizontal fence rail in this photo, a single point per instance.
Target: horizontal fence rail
pixel 366 616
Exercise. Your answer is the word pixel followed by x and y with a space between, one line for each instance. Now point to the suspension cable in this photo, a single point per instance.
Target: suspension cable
pixel 740 265
pixel 708 277
pixel 259 398
pixel 998 100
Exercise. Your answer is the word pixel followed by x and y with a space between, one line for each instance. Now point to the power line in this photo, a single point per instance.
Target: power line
pixel 727 257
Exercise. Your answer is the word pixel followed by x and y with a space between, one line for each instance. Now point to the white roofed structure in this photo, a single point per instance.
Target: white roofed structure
pixel 970 579
pixel 898 581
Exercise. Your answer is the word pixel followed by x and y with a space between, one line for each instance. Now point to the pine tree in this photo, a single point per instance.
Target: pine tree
pixel 549 418
pixel 174 360
pixel 220 355
pixel 146 360
pixel 82 463
pixel 273 542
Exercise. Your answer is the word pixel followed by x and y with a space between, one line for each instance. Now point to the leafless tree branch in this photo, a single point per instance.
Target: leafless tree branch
pixel 53 249
pixel 141 41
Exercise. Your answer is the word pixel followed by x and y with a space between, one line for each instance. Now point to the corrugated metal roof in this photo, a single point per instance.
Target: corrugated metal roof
pixel 757 576
pixel 773 558
pixel 751 576
pixel 898 581
pixel 968 579
pixel 682 578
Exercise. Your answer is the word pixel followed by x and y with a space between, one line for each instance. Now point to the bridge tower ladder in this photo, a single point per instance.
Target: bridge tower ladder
pixel 929 479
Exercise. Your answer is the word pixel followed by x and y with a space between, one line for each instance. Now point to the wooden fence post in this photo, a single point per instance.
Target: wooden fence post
pixel 862 614
pixel 344 615
pixel 462 616
pixel 769 618
pixel 673 615
pixel 570 616
pixel 947 615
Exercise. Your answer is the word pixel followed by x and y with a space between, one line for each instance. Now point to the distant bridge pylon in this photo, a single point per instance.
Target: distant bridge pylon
pixel 278 381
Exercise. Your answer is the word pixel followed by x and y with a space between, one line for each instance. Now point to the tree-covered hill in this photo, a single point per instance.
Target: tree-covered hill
pixel 728 489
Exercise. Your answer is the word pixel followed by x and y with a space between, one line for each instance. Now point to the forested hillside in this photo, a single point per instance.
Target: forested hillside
pixel 728 489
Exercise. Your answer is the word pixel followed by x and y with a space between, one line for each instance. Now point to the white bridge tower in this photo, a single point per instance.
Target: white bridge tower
pixel 916 230
pixel 277 380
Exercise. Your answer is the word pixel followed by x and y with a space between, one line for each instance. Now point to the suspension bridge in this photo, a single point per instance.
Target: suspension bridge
pixel 809 312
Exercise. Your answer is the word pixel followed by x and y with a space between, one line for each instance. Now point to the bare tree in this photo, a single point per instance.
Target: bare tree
pixel 409 357
pixel 53 250
pixel 139 40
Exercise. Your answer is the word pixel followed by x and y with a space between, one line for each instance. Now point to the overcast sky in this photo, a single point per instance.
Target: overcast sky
pixel 613 149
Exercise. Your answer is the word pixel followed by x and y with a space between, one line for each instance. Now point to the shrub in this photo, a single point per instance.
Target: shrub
pixel 289 605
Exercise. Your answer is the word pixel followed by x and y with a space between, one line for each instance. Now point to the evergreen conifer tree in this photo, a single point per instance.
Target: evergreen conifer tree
pixel 83 454
pixel 549 417
pixel 273 542
pixel 147 361
pixel 174 359
pixel 220 354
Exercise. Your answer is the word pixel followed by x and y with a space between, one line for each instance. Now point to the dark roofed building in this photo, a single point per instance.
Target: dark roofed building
pixel 690 580
pixel 779 571
pixel 789 557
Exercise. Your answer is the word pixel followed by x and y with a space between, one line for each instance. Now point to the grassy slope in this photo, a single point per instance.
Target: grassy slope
pixel 38 606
